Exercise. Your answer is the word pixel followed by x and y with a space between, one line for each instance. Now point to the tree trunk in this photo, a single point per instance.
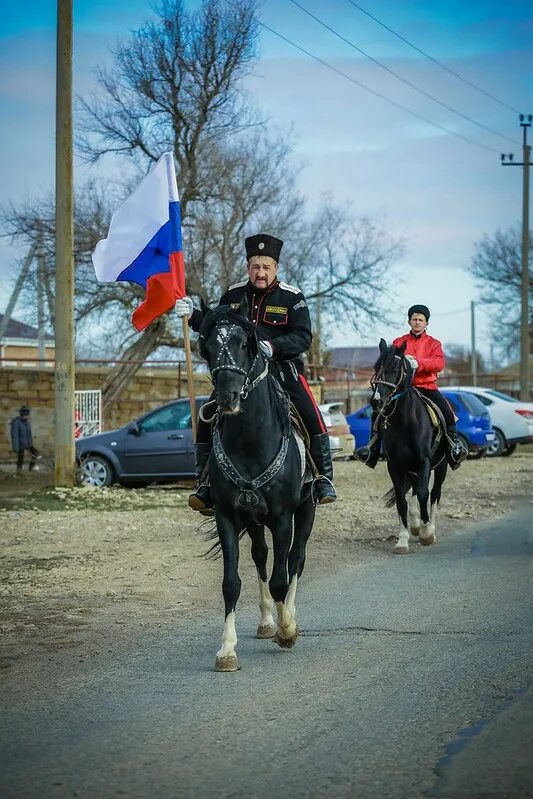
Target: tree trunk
pixel 119 378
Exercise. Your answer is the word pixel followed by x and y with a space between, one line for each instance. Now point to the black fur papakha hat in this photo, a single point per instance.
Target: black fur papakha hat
pixel 423 309
pixel 263 244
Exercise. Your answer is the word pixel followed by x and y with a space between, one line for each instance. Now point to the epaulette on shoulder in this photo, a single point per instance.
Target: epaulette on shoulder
pixel 286 286
pixel 238 285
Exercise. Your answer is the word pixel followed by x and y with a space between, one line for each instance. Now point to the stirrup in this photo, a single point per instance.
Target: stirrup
pixel 200 500
pixel 367 455
pixel 328 494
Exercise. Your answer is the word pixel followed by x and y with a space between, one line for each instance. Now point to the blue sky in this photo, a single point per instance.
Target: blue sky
pixel 438 192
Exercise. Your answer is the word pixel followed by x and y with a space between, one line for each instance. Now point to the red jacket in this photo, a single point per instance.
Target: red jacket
pixel 428 352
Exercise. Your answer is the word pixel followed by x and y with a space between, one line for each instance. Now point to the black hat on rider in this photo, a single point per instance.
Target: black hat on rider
pixel 423 309
pixel 24 410
pixel 263 244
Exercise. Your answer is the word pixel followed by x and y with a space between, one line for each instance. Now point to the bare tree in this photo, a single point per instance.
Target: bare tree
pixel 496 267
pixel 176 84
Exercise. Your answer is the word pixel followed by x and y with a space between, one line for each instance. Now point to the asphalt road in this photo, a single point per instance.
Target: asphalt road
pixel 410 680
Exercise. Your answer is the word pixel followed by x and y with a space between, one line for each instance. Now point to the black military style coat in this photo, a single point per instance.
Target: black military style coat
pixel 280 313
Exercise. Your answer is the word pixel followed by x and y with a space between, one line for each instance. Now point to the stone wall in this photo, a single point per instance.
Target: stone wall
pixel 35 387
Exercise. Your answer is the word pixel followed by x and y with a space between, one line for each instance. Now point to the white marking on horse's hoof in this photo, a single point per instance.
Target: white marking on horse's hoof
pixel 286 643
pixel 401 550
pixel 266 631
pixel 227 663
pixel 430 539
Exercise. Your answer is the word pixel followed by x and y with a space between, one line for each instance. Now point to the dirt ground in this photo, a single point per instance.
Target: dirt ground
pixel 82 569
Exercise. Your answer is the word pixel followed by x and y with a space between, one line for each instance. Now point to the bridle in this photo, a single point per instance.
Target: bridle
pixel 378 380
pixel 226 361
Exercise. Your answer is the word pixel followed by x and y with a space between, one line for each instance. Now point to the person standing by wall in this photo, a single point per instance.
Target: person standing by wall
pixel 22 438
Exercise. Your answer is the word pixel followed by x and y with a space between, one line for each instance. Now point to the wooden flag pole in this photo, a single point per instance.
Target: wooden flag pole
pixel 190 376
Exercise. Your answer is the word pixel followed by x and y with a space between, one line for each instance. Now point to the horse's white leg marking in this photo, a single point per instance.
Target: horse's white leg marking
pixel 414 515
pixel 403 539
pixel 267 626
pixel 427 532
pixel 229 638
pixel 287 629
pixel 290 599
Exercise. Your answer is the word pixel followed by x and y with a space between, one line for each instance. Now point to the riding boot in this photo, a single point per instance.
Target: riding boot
pixel 201 499
pixel 457 451
pixel 369 455
pixel 321 455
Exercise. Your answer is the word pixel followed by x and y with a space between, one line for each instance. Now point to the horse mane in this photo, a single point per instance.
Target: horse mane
pixel 223 313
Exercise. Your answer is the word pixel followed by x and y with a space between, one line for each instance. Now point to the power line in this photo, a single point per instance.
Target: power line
pixel 400 77
pixel 376 93
pixel 435 61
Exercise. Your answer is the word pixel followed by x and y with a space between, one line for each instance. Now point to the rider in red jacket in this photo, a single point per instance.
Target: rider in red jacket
pixel 426 357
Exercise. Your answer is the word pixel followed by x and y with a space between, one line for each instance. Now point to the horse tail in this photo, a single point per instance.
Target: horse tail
pixel 390 498
pixel 209 532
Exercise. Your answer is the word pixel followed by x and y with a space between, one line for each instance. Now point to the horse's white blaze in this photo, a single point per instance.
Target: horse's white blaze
pixel 266 604
pixel 403 536
pixel 286 623
pixel 290 599
pixel 414 512
pixel 229 637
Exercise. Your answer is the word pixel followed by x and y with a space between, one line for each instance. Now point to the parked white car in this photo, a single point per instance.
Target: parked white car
pixel 341 440
pixel 511 419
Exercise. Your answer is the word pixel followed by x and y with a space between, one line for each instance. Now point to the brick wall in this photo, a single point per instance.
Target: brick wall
pixel 35 387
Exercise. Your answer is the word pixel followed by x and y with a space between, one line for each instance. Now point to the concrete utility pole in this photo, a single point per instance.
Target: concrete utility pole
pixel 508 160
pixel 64 294
pixel 473 357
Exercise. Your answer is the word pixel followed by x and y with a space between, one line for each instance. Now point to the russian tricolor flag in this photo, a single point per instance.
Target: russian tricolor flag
pixel 144 244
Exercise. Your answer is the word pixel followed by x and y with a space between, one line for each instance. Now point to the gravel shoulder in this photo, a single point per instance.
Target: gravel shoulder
pixel 82 571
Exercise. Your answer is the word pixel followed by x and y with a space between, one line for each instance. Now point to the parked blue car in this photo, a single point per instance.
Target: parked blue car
pixel 473 426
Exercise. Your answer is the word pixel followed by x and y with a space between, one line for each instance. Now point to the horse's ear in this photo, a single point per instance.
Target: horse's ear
pixel 243 306
pixel 401 348
pixel 382 346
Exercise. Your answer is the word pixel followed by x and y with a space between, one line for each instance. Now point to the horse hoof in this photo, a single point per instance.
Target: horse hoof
pixel 227 663
pixel 286 643
pixel 266 631
pixel 431 539
pixel 401 550
pixel 415 531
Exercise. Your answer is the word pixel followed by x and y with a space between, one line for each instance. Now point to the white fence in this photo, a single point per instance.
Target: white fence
pixel 88 413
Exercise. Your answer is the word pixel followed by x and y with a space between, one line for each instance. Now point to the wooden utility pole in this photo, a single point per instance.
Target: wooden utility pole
pixel 508 160
pixel 64 272
pixel 473 357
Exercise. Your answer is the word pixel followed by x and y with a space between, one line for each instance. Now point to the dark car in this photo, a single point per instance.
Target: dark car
pixel 473 425
pixel 155 448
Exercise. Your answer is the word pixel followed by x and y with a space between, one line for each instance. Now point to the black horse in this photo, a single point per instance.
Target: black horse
pixel 256 475
pixel 412 446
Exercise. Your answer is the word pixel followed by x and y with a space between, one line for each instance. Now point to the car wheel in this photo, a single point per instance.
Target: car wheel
pixel 96 471
pixel 498 445
pixel 509 450
pixel 477 454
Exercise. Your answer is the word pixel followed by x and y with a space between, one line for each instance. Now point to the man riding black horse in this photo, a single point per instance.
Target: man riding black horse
pixel 426 357
pixel 283 323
